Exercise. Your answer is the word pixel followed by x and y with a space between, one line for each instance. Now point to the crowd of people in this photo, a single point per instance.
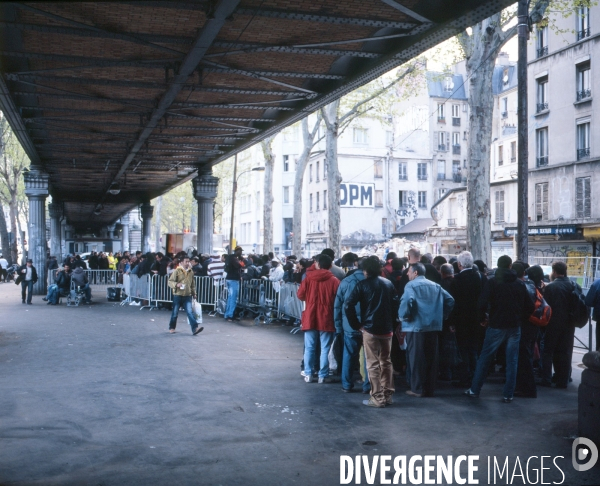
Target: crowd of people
pixel 429 320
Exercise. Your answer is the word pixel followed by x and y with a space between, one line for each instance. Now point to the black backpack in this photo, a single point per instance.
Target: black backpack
pixel 579 313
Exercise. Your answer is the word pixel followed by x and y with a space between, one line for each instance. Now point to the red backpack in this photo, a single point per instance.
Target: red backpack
pixel 542 313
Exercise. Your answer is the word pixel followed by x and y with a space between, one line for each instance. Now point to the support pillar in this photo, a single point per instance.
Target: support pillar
pixel 205 192
pixel 111 231
pixel 146 212
pixel 125 232
pixel 36 190
pixel 55 210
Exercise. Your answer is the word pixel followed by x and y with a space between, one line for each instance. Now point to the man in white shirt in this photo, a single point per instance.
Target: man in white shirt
pixel 3 269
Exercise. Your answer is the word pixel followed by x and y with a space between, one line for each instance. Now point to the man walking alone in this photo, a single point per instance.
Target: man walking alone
pixel 27 277
pixel 184 289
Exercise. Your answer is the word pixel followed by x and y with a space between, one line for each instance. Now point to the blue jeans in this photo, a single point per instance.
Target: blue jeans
pixel 310 340
pixel 493 340
pixel 26 286
pixel 233 288
pixel 186 302
pixel 352 345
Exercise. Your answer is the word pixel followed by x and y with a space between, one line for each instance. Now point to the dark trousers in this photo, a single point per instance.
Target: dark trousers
pixel 422 356
pixel 558 352
pixel 525 374
pixel 27 287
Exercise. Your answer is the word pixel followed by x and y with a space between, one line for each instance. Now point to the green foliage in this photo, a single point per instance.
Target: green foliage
pixel 178 206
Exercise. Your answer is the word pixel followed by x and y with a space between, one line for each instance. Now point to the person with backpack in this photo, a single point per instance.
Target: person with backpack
pixel 530 329
pixel 560 331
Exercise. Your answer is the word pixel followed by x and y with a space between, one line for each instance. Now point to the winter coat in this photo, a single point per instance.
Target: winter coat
pixel 378 306
pixel 343 293
pixel 466 288
pixel 318 290
pixel 425 306
pixel 558 296
pixel 506 299
pixel 79 276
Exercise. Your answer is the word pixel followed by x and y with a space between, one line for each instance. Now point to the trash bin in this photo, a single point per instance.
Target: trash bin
pixel 113 294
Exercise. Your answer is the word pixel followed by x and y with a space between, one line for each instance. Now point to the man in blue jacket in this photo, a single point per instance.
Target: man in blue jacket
pixel 424 307
pixel 352 339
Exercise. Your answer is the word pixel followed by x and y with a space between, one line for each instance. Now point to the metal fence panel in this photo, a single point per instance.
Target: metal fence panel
pixel 290 305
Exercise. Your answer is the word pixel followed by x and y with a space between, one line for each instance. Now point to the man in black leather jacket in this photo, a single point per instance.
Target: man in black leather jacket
pixel 378 309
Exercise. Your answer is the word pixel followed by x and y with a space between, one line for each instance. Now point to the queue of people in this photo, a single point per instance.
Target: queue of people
pixel 432 320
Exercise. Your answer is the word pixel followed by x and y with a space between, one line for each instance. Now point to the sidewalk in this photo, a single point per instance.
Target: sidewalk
pixel 104 395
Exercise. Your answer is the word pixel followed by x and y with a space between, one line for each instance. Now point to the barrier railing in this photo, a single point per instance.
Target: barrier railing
pixel 259 297
pixel 160 292
pixel 290 306
pixel 136 288
pixel 99 280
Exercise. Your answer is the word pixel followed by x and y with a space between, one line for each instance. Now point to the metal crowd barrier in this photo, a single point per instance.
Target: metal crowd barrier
pixel 136 288
pixel 290 306
pixel 99 280
pixel 160 292
pixel 260 298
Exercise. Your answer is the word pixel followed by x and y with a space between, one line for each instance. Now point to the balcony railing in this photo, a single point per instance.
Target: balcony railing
pixel 422 177
pixel 542 161
pixel 452 222
pixel 582 34
pixel 500 161
pixel 441 119
pixel 455 121
pixel 542 107
pixel 584 94
pixel 441 177
pixel 505 114
pixel 456 149
pixel 442 147
pixel 583 153
pixel 542 51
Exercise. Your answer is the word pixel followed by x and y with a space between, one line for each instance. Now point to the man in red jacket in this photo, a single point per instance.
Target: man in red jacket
pixel 318 290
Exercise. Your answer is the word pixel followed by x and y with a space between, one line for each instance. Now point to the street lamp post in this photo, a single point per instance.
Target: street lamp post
pixel 236 177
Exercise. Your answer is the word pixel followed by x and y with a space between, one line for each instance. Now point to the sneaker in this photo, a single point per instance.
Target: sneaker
pixel 308 378
pixel 507 400
pixel 372 403
pixel 413 394
pixel 325 379
pixel 44 299
pixel 347 390
pixel 198 331
pixel 469 393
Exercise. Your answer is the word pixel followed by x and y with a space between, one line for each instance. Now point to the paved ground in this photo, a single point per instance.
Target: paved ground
pixel 103 395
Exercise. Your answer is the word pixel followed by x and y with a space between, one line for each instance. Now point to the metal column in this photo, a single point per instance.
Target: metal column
pixel 146 211
pixel 205 192
pixel 125 232
pixel 36 190
pixel 55 210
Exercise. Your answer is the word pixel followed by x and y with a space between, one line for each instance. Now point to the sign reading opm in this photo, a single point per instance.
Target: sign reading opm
pixel 357 195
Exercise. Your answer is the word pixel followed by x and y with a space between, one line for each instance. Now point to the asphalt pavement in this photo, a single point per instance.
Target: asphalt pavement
pixel 104 395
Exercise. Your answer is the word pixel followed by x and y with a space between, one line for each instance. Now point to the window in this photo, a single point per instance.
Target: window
pixel 441 193
pixel 513 152
pixel 456 143
pixel 448 84
pixel 389 138
pixel 583 197
pixel 318 205
pixel 542 41
pixel 456 172
pixel 378 199
pixel 443 139
pixel 402 222
pixel 402 175
pixel 360 136
pixel 384 226
pixel 441 113
pixel 504 107
pixel 499 206
pixel 541 201
pixel 317 174
pixel 455 111
pixel 583 140
pixel 541 142
pixel 422 171
pixel 542 94
pixel 584 90
pixel 324 199
pixel 403 198
pixel 286 163
pixel 500 154
pixel 378 166
pixel 310 173
pixel 423 199
pixel 324 169
pixel 505 78
pixel 286 195
pixel 441 174
pixel 258 200
pixel 583 22
pixel 310 206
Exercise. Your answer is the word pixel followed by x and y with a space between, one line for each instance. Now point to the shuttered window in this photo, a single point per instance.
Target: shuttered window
pixel 583 197
pixel 541 201
pixel 499 206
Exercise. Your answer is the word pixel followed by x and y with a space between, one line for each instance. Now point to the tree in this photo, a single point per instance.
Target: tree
pixel 267 149
pixel 308 137
pixel 375 100
pixel 480 48
pixel 13 162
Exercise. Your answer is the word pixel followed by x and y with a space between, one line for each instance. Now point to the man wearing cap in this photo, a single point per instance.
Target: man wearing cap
pixel 233 269
pixel 27 277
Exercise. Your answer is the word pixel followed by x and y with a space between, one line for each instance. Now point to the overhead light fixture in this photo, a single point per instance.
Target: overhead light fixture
pixel 114 189
pixel 98 209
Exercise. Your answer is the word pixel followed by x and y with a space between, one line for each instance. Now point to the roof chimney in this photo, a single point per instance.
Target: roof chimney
pixel 502 59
